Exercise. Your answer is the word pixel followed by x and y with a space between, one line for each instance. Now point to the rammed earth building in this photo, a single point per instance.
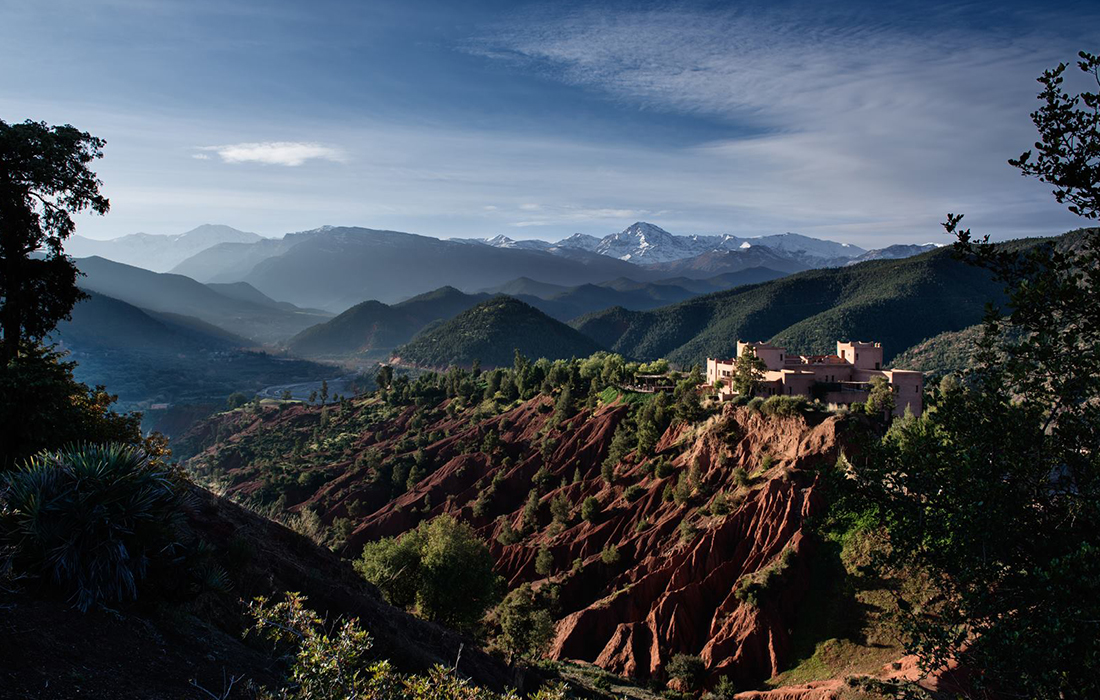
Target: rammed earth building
pixel 841 379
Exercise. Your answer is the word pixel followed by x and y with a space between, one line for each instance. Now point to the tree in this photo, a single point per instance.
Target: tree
pixel 324 391
pixel 45 408
pixel 591 509
pixel 44 180
pixel 441 569
pixel 544 561
pixel 689 670
pixel 881 401
pixel 748 371
pixel 526 621
pixel 994 492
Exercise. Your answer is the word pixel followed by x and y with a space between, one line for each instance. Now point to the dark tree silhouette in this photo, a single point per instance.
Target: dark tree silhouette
pixel 44 180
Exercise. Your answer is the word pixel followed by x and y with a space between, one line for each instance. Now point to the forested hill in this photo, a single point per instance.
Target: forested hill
pixel 896 302
pixel 491 332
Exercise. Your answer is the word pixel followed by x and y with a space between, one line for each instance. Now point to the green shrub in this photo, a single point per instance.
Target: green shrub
pixel 93 520
pixel 741 477
pixel 664 468
pixel 591 509
pixel 755 403
pixel 784 406
pixel 688 669
pixel 544 561
pixel 633 492
pixel 526 621
pixel 338 663
pixel 755 588
pixel 642 525
pixel 610 555
pixel 687 531
pixel 441 570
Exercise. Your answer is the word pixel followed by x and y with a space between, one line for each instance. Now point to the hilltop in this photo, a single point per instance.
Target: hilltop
pixel 491 332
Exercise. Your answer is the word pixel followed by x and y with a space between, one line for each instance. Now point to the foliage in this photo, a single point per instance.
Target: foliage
pixel 544 561
pixel 591 509
pixel 757 587
pixel 633 492
pixel 785 406
pixel 526 619
pixel 610 555
pixel 995 491
pixel 336 663
pixel 44 408
pixel 93 520
pixel 688 669
pixel 881 401
pixel 440 569
pixel 46 179
pixel 748 371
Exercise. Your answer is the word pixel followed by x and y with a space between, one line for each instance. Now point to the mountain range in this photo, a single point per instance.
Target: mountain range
pixel 334 268
pixel 159 253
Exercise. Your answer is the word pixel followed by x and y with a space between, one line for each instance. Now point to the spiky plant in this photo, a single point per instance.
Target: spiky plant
pixel 93 519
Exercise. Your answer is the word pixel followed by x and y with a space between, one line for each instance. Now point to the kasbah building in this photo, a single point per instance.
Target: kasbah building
pixel 840 380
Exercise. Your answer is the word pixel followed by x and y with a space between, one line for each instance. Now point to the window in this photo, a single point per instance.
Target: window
pixel 876 365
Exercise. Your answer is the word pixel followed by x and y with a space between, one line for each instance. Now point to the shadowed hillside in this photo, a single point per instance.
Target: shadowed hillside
pixel 491 332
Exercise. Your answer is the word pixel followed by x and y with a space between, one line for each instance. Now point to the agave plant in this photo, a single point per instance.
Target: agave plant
pixel 93 519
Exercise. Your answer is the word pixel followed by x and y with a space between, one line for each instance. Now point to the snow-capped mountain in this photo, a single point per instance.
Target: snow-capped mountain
pixel 646 244
pixel 895 252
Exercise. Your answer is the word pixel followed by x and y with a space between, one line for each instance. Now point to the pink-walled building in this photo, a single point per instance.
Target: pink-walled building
pixel 841 379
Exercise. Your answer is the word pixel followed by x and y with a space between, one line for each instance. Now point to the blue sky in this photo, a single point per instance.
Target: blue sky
pixel 860 122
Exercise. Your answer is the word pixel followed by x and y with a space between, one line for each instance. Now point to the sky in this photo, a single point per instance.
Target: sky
pixel 862 122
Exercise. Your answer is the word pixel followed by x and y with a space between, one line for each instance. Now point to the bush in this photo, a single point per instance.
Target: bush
pixel 93 520
pixel 591 509
pixel 755 403
pixel 338 663
pixel 633 492
pixel 526 621
pixel 441 570
pixel 664 468
pixel 755 588
pixel 689 670
pixel 784 406
pixel 610 555
pixel 741 477
pixel 687 531
pixel 544 561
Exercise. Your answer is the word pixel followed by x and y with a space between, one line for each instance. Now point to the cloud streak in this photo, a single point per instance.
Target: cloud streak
pixel 852 125
pixel 286 153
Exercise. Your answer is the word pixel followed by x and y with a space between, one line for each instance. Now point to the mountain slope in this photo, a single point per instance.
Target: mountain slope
pixel 171 293
pixel 150 357
pixel 158 253
pixel 340 267
pixel 376 327
pixel 490 332
pixel 231 262
pixel 896 302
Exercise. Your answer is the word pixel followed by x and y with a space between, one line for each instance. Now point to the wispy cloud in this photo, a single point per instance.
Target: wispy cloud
pixel 287 153
pixel 847 124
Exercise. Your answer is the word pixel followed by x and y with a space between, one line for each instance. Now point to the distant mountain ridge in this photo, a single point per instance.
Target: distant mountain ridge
pixel 158 253
pixel 646 244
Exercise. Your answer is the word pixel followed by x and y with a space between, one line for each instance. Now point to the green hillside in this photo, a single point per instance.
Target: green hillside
pixel 153 357
pixel 491 332
pixel 372 326
pixel 951 351
pixel 896 302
